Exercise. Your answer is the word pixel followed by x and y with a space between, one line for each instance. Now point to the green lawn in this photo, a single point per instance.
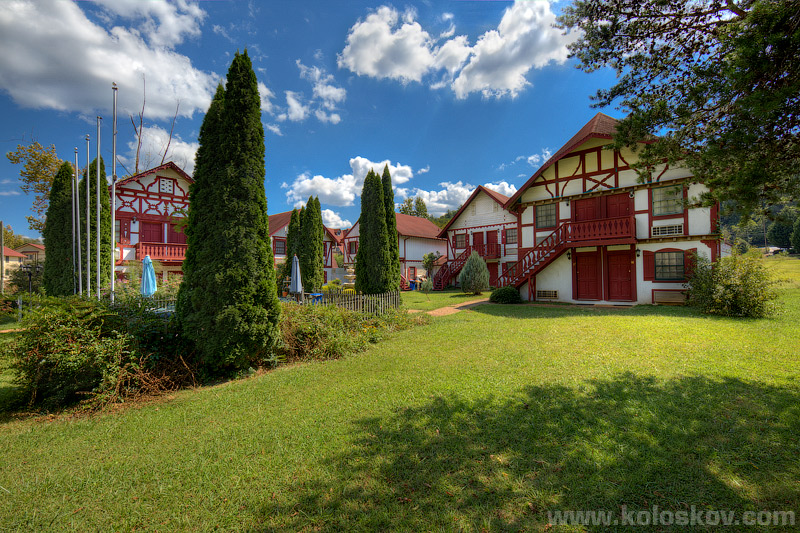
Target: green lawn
pixel 434 300
pixel 482 420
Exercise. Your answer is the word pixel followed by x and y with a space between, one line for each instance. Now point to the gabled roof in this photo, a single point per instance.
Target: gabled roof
pixel 278 220
pixel 494 195
pixel 411 226
pixel 165 166
pixel 34 244
pixel 408 226
pixel 601 126
pixel 8 252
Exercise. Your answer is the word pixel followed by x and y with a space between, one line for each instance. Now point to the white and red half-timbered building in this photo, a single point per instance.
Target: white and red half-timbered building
pixel 278 229
pixel 416 237
pixel 482 225
pixel 591 232
pixel 148 206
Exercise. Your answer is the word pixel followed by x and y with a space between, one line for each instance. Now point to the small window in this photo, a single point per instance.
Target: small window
pixel 667 200
pixel 280 247
pixel 511 236
pixel 669 266
pixel 352 247
pixel 166 185
pixel 546 216
pixel 461 240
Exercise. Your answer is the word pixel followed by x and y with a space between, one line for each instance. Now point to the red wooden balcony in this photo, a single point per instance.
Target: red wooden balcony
pixel 488 250
pixel 602 229
pixel 159 251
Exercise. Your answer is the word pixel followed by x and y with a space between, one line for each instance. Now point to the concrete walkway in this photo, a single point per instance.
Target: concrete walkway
pixel 453 309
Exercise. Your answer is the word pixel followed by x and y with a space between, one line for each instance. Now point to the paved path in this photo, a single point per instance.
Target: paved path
pixel 452 309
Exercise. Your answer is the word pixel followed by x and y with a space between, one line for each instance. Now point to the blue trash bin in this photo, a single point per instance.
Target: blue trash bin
pixel 413 285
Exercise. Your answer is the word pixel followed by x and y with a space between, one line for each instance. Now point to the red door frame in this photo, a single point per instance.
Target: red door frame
pixel 586 205
pixel 493 272
pixel 607 267
pixel 598 281
pixel 618 205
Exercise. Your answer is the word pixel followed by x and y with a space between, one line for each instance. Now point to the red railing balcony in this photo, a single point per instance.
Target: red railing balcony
pixel 159 251
pixel 489 250
pixel 603 228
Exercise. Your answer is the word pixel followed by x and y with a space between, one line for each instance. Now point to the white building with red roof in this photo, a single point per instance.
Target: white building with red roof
pixel 33 252
pixel 482 225
pixel 278 229
pixel 416 237
pixel 590 231
pixel 149 206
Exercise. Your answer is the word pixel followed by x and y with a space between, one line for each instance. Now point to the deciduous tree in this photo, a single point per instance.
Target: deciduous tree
pixel 420 209
pixel 39 167
pixel 716 82
pixel 58 277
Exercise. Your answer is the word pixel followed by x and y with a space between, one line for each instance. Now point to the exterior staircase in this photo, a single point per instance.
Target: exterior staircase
pixel 619 230
pixel 450 269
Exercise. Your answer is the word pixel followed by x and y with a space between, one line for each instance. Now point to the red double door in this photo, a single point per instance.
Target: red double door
pixel 612 279
pixel 617 205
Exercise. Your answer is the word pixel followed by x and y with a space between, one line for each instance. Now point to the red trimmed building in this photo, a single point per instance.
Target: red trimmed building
pixel 416 237
pixel 590 232
pixel 148 206
pixel 278 228
pixel 483 225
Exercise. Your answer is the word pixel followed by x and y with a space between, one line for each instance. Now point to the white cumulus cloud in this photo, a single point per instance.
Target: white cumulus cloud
pixel 503 187
pixel 333 220
pixel 54 57
pixel 386 45
pixel 381 46
pixel 343 190
pixel 450 196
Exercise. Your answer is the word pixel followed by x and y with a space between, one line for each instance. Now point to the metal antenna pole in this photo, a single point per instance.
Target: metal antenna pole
pixel 78 224
pixel 88 227
pixel 113 192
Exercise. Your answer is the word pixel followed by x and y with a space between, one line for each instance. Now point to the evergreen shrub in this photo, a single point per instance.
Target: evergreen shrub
pixel 474 275
pixel 505 295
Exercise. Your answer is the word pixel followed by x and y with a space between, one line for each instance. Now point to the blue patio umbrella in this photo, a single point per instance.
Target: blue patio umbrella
pixel 296 284
pixel 149 285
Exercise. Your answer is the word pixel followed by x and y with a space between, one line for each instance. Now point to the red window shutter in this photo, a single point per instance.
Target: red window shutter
pixel 649 265
pixel 504 236
pixel 688 262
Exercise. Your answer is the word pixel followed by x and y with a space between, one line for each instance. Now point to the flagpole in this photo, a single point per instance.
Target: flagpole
pixel 77 221
pixel 72 182
pixel 88 222
pixel 113 193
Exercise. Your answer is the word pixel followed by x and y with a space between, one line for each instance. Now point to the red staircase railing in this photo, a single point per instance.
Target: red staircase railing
pixel 161 251
pixel 450 269
pixel 567 235
pixel 403 283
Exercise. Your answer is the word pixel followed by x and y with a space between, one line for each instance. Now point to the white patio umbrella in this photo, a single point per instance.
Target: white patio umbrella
pixel 296 284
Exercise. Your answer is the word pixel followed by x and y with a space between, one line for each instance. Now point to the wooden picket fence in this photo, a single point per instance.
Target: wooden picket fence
pixel 375 304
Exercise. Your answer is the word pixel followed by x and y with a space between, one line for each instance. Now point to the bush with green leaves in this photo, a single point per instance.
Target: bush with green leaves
pixel 505 295
pixel 474 275
pixel 736 286
pixel 319 332
pixel 69 350
pixel 795 239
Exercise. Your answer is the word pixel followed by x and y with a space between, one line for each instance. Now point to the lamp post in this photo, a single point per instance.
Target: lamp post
pixel 30 269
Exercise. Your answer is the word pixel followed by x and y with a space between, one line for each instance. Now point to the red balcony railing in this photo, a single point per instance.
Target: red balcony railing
pixel 160 251
pixel 489 250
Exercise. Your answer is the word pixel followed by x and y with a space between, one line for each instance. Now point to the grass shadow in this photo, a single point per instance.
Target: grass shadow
pixel 501 465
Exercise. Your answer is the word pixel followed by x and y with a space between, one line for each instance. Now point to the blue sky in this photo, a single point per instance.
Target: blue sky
pixel 451 94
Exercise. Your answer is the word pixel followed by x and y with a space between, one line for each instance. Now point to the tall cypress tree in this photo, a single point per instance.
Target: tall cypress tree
pixel 105 225
pixel 229 306
pixel 372 258
pixel 393 278
pixel 58 277
pixel 311 249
